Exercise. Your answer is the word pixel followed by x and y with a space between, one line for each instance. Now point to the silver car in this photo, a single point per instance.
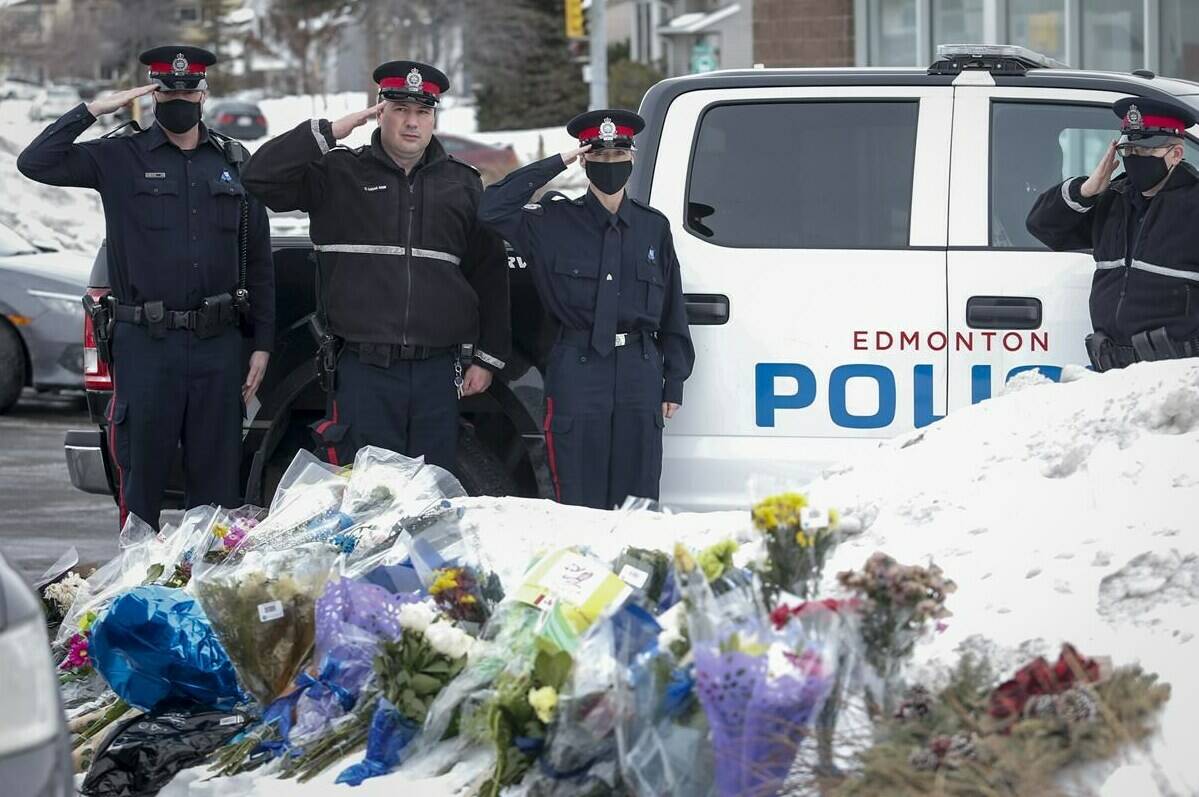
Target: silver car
pixel 41 316
pixel 35 757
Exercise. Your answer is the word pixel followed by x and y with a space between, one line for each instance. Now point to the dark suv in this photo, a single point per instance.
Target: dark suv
pixel 501 447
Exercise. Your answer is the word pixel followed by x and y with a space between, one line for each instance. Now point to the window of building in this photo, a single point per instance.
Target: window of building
pixel 1034 146
pixel 957 21
pixel 822 175
pixel 1113 35
pixel 1180 39
pixel 892 26
pixel 1039 25
pixel 189 14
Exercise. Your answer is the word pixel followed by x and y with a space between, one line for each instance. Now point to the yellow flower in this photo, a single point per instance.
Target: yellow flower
pixel 715 559
pixel 803 540
pixel 86 622
pixel 468 599
pixel 544 701
pixel 834 518
pixel 780 511
pixel 220 530
pixel 445 580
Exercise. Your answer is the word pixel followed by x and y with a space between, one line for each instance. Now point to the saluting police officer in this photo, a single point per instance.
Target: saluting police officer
pixel 605 268
pixel 176 222
pixel 1144 229
pixel 408 274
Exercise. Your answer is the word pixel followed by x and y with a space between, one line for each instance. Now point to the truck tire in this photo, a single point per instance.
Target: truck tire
pixel 480 470
pixel 12 366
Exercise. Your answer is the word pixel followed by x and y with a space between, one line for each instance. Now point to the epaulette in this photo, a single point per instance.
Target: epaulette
pixel 650 208
pixel 452 159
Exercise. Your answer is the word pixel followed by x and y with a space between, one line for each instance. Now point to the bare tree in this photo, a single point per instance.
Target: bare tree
pixel 417 30
pixel 303 30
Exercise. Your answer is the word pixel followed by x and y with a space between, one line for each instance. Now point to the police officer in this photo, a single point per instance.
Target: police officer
pixel 408 274
pixel 174 213
pixel 1144 229
pixel 605 268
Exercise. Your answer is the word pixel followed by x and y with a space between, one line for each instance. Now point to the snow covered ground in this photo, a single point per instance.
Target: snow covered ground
pixel 73 219
pixel 1064 512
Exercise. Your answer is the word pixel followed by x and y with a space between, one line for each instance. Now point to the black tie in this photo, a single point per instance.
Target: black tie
pixel 603 328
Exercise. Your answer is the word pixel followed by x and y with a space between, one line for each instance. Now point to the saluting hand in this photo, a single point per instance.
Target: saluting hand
pixel 1101 177
pixel 258 363
pixel 352 121
pixel 114 102
pixel 570 156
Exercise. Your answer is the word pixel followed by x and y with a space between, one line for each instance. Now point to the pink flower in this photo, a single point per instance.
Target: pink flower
pixel 77 655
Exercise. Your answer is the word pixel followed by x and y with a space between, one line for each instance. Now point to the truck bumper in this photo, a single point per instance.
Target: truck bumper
pixel 87 461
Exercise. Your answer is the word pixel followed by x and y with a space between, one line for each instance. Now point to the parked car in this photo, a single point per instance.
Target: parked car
pixel 492 160
pixel 241 120
pixel 35 756
pixel 53 101
pixel 16 89
pixel 834 299
pixel 41 315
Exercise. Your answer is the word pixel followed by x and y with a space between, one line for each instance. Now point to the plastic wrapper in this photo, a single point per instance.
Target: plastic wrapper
pixel 447 559
pixel 146 753
pixel 387 739
pixel 156 649
pixel 351 619
pixel 306 508
pixel 263 609
pixel 574 590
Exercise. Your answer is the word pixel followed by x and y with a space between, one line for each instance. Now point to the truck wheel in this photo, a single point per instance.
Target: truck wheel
pixel 480 470
pixel 12 366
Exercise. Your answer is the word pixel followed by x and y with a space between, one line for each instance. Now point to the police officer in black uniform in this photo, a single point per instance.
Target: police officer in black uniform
pixel 408 275
pixel 605 268
pixel 1144 229
pixel 178 224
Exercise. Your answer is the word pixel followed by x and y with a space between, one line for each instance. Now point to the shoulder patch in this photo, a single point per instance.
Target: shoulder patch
pixel 533 208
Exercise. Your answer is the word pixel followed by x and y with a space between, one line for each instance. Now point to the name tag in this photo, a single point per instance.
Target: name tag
pixel 156 175
pixel 374 188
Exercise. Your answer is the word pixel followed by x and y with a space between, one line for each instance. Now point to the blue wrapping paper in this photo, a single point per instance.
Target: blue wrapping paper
pixel 389 735
pixel 156 649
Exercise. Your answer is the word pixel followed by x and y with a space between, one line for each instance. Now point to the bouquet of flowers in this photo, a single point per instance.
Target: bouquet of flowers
pixel 450 568
pixel 898 605
pixel 798 542
pixel 263 610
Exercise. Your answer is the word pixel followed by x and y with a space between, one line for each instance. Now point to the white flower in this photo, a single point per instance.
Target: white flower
pixel 62 594
pixel 451 642
pixel 416 616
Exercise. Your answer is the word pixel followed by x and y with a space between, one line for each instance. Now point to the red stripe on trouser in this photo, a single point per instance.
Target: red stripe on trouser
pixel 549 443
pixel 330 451
pixel 112 451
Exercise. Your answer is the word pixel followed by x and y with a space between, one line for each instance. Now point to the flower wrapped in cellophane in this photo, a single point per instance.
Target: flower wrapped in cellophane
pixel 262 607
pixel 761 689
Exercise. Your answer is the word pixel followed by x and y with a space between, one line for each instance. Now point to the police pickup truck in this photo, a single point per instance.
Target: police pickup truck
pixel 855 260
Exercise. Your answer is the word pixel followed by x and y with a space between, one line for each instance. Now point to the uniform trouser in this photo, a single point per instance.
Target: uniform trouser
pixel 603 423
pixel 176 389
pixel 410 407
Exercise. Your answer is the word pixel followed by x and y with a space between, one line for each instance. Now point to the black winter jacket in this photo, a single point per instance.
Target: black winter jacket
pixel 403 256
pixel 1146 264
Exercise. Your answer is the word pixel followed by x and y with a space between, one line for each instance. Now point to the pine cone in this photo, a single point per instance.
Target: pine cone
pixel 1078 705
pixel 923 760
pixel 1041 706
pixel 917 704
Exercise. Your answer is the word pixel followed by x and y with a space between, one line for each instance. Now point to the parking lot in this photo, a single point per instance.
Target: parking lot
pixel 41 514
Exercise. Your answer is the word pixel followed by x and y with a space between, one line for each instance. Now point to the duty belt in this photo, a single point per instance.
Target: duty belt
pixel 214 314
pixel 382 354
pixel 1148 346
pixel 582 337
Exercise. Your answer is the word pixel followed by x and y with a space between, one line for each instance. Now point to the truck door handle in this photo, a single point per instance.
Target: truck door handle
pixel 1003 312
pixel 707 308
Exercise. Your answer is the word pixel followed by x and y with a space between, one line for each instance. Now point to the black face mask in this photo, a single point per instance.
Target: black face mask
pixel 608 176
pixel 178 116
pixel 1145 171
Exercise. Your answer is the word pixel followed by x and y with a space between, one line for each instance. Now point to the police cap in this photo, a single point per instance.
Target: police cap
pixel 607 129
pixel 178 67
pixel 411 80
pixel 1151 122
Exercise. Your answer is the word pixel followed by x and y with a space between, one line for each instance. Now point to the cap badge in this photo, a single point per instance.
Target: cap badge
pixel 179 65
pixel 607 129
pixel 651 254
pixel 226 177
pixel 1135 120
pixel 414 80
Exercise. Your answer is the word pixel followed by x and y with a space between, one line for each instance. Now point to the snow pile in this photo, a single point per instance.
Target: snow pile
pixel 1064 512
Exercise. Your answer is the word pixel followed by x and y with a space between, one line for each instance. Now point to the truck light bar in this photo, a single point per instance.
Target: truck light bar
pixel 998 59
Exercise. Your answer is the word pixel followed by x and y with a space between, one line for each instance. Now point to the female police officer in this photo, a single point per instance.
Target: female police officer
pixel 605 268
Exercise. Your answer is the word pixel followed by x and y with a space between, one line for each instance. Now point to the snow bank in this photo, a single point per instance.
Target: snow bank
pixel 1065 512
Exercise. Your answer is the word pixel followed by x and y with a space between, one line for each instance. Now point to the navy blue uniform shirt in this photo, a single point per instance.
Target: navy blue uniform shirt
pixel 564 242
pixel 171 217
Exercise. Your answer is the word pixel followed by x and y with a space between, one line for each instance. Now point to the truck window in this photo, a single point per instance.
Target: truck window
pixel 1034 147
pixel 804 175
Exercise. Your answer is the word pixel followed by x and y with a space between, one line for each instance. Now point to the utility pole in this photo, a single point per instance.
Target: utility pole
pixel 599 55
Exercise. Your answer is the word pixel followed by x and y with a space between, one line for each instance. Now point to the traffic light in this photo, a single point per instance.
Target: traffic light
pixel 574 19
